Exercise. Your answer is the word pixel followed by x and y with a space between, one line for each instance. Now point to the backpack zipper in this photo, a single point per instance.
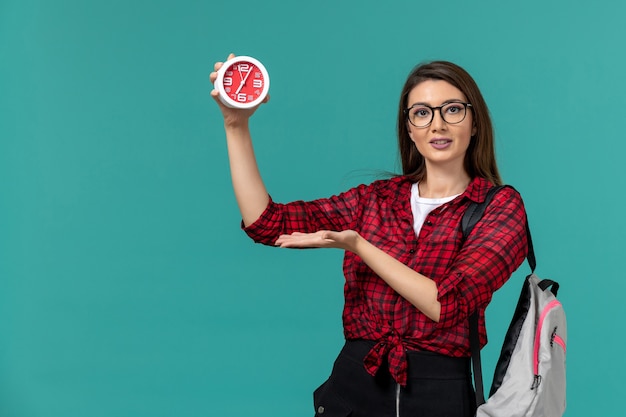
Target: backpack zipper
pixel 559 341
pixel 551 305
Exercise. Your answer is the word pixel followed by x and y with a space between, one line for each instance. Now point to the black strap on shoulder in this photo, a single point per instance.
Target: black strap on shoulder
pixel 470 218
pixel 475 212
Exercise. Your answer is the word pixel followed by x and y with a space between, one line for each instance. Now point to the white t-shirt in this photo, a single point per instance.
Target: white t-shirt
pixel 421 206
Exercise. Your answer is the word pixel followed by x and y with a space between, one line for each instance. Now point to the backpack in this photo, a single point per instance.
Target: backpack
pixel 529 379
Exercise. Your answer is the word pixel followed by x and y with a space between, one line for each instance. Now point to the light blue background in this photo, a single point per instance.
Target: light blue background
pixel 126 286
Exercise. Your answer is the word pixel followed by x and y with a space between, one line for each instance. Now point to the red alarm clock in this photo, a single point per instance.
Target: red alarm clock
pixel 242 82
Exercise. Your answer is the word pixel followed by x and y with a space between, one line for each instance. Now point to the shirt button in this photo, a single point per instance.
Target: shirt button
pixel 411 250
pixel 320 410
pixel 428 223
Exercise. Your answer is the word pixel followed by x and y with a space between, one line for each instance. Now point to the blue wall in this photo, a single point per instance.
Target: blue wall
pixel 126 286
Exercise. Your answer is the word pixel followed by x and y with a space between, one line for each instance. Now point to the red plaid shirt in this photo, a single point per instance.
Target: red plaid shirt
pixel 467 274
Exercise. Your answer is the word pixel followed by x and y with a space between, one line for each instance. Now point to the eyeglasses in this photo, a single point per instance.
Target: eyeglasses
pixel 421 115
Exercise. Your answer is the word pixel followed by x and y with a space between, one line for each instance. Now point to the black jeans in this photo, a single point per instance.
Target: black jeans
pixel 438 386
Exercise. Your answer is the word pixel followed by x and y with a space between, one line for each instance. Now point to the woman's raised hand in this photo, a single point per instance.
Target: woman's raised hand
pixel 232 117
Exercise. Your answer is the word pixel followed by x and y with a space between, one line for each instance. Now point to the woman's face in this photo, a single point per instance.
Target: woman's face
pixel 441 143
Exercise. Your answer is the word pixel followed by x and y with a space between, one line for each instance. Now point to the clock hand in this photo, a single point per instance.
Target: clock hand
pixel 243 82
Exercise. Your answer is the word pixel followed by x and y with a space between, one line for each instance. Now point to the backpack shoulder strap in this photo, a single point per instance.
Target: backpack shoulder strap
pixel 476 210
pixel 471 216
pixel 476 361
pixel 474 213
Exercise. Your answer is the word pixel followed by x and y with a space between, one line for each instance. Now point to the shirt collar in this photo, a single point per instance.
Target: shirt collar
pixel 477 190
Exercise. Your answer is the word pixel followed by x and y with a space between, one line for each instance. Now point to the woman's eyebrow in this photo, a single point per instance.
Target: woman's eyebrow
pixel 452 100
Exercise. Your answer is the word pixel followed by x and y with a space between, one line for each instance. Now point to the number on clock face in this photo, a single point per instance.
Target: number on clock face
pixel 243 82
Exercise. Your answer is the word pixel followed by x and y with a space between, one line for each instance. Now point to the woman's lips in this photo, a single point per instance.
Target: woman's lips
pixel 440 143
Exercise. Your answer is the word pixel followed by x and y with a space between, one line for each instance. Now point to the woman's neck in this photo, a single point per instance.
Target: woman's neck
pixel 439 184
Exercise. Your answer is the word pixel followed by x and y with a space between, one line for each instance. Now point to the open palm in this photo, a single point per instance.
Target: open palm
pixel 345 239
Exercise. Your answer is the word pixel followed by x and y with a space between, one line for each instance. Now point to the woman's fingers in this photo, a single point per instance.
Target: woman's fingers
pixel 304 240
pixel 217 66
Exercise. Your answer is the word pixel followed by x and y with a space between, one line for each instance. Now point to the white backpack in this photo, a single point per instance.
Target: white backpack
pixel 529 379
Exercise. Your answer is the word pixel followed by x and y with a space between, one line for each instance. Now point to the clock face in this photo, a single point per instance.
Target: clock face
pixel 242 82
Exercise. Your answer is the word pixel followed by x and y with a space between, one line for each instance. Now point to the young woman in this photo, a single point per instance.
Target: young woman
pixel 411 280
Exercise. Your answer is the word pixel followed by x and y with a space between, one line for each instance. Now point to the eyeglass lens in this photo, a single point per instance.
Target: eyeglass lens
pixel 422 115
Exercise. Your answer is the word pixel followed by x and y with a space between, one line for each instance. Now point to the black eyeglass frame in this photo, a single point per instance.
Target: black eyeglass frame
pixel 440 108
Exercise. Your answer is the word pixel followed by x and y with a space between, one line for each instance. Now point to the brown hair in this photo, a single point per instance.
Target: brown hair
pixel 480 159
